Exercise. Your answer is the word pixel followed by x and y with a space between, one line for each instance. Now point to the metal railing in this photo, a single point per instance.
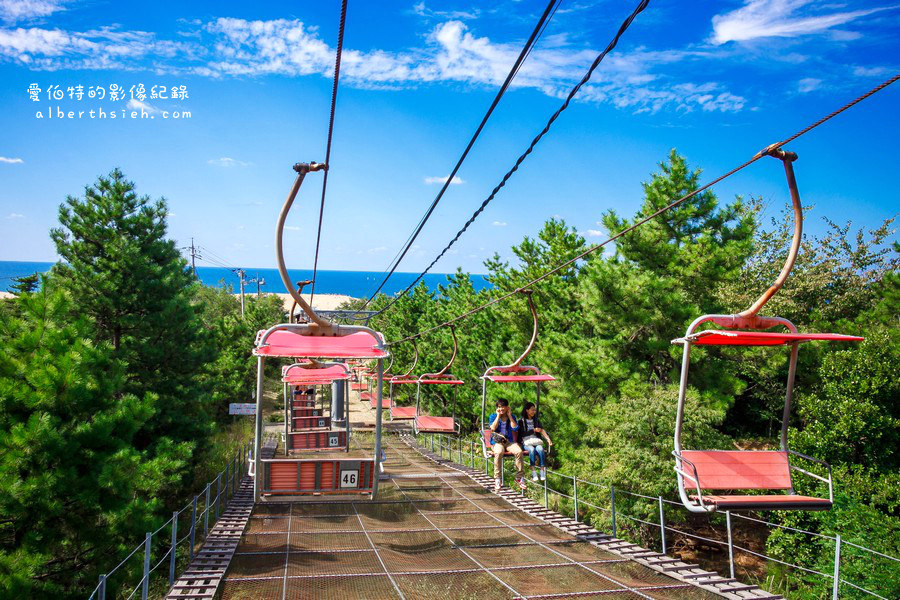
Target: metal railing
pixel 574 506
pixel 164 542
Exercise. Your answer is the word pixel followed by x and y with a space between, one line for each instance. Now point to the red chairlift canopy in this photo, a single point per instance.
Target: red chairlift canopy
pixel 509 378
pixel 432 379
pixel 759 338
pixel 400 380
pixel 287 343
pixel 299 374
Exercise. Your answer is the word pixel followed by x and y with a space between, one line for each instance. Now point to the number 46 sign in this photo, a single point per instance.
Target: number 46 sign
pixel 348 475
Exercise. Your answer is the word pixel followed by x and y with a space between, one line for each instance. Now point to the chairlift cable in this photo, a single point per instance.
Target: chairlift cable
pixel 334 90
pixel 539 28
pixel 612 44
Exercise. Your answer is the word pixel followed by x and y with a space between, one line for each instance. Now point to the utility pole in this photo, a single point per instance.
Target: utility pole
pixel 194 255
pixel 240 273
pixel 259 282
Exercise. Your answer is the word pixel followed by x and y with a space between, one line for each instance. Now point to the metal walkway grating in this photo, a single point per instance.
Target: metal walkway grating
pixel 434 532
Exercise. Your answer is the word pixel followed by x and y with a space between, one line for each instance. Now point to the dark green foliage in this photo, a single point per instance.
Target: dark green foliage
pixel 25 284
pixel 606 325
pixel 112 373
pixel 74 490
pixel 661 277
pixel 136 289
pixel 231 366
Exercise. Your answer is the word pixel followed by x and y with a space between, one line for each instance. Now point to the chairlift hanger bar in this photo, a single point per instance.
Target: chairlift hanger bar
pixel 504 372
pixel 442 377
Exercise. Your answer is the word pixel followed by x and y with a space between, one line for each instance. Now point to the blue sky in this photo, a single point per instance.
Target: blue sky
pixel 716 80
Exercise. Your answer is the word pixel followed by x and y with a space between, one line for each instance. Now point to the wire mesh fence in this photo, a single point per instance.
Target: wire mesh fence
pixel 151 567
pixel 718 535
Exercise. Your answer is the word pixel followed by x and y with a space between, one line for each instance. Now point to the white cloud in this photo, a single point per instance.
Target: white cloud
pixel 292 228
pixel 99 49
pixel 11 161
pixel 808 84
pixel 457 180
pixel 860 71
pixel 423 11
pixel 499 223
pixel 138 105
pixel 227 162
pixel 784 18
pixel 683 97
pixel 594 233
pixel 453 53
pixel 376 250
pixel 15 216
pixel 13 11
pixel 640 80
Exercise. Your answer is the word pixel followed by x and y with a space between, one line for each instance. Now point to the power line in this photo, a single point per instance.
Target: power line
pixel 526 50
pixel 219 258
pixel 659 212
pixel 334 91
pixel 612 44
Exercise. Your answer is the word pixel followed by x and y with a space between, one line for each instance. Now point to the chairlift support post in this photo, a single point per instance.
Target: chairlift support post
pixel 758 470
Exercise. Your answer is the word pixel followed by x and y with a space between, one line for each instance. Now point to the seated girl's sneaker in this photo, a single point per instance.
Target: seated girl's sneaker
pixel 520 481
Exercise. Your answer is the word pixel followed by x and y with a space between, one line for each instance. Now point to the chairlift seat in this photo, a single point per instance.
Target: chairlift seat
pixel 429 424
pixel 373 401
pixel 403 412
pixel 746 470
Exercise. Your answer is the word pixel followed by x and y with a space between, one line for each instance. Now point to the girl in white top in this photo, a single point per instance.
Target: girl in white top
pixel 530 427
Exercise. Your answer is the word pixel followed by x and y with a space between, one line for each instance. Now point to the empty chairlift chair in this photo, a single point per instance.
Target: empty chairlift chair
pixel 317 338
pixel 401 413
pixel 310 432
pixel 726 473
pixel 425 423
pixel 513 373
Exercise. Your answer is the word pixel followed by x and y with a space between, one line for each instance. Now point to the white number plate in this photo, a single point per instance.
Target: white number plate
pixel 349 479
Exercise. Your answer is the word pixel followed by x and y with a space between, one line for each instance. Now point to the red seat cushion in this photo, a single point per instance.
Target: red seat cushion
pixel 403 412
pixel 435 424
pixel 767 502
pixel 385 402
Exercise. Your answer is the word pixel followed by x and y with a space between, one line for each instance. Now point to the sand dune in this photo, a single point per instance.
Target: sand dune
pixel 322 301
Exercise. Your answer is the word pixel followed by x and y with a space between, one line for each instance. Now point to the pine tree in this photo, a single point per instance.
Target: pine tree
pixel 662 276
pixel 73 489
pixel 136 289
pixel 25 284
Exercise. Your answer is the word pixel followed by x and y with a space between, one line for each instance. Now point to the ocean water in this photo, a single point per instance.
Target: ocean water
pixel 351 283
